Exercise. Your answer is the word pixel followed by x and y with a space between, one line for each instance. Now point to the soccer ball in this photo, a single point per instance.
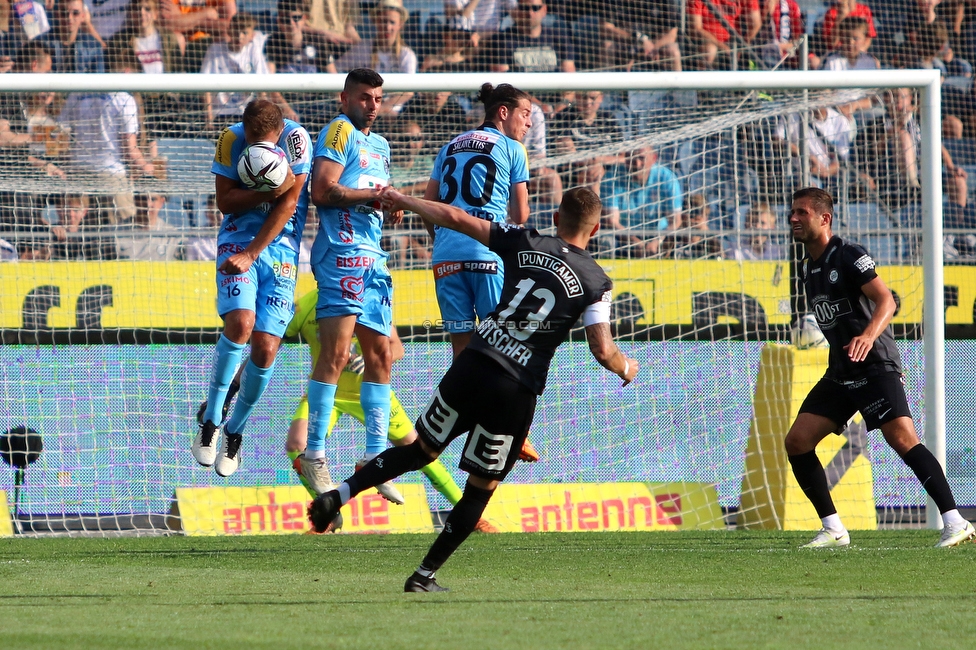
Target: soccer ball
pixel 807 334
pixel 262 166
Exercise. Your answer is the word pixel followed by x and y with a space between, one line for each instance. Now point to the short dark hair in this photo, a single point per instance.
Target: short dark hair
pixel 286 7
pixel 853 23
pixel 494 97
pixel 362 77
pixel 31 52
pixel 580 209
pixel 262 117
pixel 822 201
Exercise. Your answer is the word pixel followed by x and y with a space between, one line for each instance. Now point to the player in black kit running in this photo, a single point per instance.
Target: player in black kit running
pixel 490 390
pixel 854 309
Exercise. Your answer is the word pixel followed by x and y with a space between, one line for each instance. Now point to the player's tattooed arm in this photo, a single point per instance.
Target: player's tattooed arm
pixel 327 192
pixel 439 214
pixel 884 308
pixel 607 354
pixel 231 198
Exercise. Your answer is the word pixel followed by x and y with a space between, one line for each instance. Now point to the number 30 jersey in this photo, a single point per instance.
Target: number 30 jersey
pixel 548 285
pixel 476 172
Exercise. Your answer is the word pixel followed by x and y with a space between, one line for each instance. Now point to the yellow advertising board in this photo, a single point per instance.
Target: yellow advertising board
pixel 182 295
pixel 6 527
pixel 583 507
pixel 280 510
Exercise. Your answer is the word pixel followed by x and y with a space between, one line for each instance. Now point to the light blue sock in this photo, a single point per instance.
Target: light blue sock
pixel 253 382
pixel 375 399
pixel 321 399
pixel 226 359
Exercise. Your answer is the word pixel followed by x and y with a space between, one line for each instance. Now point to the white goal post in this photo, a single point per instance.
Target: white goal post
pixel 925 82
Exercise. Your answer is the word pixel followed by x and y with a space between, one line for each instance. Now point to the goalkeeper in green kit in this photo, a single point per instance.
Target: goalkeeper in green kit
pixel 401 431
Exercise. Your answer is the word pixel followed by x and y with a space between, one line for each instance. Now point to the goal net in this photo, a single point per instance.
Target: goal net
pixel 109 315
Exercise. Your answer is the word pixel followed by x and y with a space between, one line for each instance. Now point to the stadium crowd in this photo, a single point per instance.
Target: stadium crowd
pixel 98 160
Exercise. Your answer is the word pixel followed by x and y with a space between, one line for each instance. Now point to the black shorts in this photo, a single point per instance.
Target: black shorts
pixel 879 398
pixel 477 397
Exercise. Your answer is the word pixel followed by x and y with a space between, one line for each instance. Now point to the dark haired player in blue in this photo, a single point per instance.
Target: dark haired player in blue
pixel 351 167
pixel 257 265
pixel 485 173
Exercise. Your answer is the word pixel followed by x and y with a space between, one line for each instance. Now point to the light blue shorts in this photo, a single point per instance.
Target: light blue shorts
pixel 467 289
pixel 267 289
pixel 355 282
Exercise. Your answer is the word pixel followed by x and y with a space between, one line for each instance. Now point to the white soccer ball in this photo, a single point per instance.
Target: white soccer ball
pixel 263 166
pixel 807 334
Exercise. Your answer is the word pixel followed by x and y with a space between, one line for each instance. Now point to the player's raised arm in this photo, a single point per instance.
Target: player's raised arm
pixel 884 308
pixel 605 350
pixel 439 214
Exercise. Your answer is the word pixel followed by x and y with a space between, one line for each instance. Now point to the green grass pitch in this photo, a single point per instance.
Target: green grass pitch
pixel 627 590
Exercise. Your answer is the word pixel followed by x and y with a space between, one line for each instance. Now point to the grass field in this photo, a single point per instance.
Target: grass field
pixel 623 590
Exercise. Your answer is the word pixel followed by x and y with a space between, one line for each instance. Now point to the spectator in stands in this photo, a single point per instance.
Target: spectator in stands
pixel 439 114
pixel 76 233
pixel 828 37
pixel 203 248
pixel 693 238
pixel 483 17
pixel 158 50
pixel 585 125
pixel 781 27
pixel 545 187
pixel 458 46
pixel 644 34
pixel 387 53
pixel 757 245
pixel 108 17
pixel 237 54
pixel 852 54
pixel 72 47
pixel 529 45
pixel 29 21
pixel 711 32
pixel 104 148
pixel 292 50
pixel 8 252
pixel 335 20
pixel 640 202
pixel 149 236
pixel 199 23
pixel 410 165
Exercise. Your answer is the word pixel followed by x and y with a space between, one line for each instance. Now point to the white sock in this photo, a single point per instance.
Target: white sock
pixel 368 457
pixel 953 518
pixel 833 523
pixel 344 494
pixel 312 454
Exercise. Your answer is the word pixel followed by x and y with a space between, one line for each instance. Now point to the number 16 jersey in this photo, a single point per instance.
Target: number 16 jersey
pixel 476 172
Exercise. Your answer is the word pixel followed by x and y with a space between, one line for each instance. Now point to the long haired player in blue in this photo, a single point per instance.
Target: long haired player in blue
pixel 257 265
pixel 484 172
pixel 351 167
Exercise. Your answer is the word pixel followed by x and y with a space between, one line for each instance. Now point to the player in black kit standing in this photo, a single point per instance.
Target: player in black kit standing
pixel 854 309
pixel 491 388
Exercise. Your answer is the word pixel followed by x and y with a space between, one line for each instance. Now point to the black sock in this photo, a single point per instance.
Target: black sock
pixel 458 526
pixel 809 473
pixel 390 464
pixel 929 472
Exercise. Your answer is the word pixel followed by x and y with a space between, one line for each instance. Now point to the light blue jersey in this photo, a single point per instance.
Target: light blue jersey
pixel 476 172
pixel 366 163
pixel 242 228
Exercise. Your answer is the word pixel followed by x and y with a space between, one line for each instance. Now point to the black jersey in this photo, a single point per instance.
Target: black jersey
pixel 833 285
pixel 548 285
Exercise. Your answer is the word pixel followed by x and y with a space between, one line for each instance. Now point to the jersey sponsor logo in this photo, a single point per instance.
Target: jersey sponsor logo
pixel 297 145
pixel 444 269
pixel 345 227
pixel 285 270
pixel 864 263
pixel 470 145
pixel 833 276
pixel 225 143
pixel 279 302
pixel 355 262
pixel 827 311
pixel 563 272
pixel 338 135
pixel 231 248
pixel 235 279
pixel 488 450
pixel 439 418
pixel 352 288
pixel 363 158
pixel 607 297
pixel 504 343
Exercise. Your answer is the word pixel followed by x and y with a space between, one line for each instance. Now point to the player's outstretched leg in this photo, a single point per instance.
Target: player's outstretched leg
pixel 460 523
pixel 227 357
pixel 391 463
